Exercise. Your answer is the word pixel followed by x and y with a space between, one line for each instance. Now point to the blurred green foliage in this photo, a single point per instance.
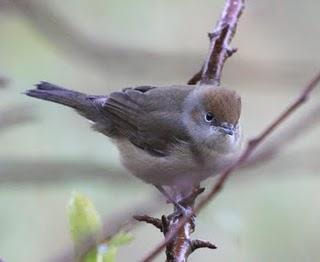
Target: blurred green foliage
pixel 83 217
pixel 84 221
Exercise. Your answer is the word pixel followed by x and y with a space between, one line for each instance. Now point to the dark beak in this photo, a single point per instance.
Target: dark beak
pixel 226 130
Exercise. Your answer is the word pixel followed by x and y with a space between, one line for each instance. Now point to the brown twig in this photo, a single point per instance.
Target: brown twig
pixel 252 145
pixel 196 244
pixel 219 49
pixel 179 248
pixel 278 143
pixel 150 220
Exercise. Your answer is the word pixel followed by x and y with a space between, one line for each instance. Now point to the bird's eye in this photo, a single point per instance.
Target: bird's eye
pixel 208 117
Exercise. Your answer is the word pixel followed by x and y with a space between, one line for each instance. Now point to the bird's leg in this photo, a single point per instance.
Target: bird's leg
pixel 181 210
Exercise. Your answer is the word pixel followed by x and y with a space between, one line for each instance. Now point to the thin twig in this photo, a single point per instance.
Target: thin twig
pixel 196 244
pixel 182 246
pixel 284 138
pixel 252 145
pixel 149 220
pixel 120 220
pixel 178 244
pixel 220 39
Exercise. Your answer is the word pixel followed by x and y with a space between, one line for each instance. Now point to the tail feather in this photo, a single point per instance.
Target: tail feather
pixel 83 103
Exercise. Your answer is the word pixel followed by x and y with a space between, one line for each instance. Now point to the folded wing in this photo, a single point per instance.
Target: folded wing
pixel 149 117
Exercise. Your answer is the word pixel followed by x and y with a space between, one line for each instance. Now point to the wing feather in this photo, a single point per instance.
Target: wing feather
pixel 149 117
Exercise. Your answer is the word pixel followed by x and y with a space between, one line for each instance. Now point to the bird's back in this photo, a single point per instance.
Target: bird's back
pixel 149 117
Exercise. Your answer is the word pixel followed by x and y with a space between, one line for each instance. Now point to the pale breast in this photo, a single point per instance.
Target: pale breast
pixel 183 165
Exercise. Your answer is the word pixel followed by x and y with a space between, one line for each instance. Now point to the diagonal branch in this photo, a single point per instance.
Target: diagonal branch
pixel 284 138
pixel 252 145
pixel 196 244
pixel 219 49
pixel 149 220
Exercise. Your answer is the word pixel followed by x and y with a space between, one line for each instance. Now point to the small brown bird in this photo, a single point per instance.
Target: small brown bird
pixel 175 135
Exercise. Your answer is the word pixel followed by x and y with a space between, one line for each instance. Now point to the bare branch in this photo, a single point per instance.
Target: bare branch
pixel 194 80
pixel 178 244
pixel 252 145
pixel 196 244
pixel 150 220
pixel 289 134
pixel 177 239
pixel 219 49
pixel 181 246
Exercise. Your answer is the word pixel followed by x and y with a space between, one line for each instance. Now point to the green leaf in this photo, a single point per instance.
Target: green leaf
pixel 106 253
pixel 83 217
pixel 91 256
pixel 120 239
pixel 84 220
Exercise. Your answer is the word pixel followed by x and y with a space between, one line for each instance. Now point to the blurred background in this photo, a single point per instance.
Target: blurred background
pixel 267 213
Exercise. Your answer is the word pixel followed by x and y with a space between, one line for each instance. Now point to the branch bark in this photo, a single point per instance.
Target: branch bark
pixel 220 39
pixel 117 221
pixel 181 246
pixel 278 143
pixel 252 145
pixel 177 230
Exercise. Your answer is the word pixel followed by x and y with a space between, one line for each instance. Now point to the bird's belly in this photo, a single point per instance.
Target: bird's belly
pixel 180 167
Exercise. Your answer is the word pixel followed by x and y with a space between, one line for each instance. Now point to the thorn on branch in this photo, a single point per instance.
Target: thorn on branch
pixel 150 220
pixel 231 51
pixel 194 80
pixel 212 35
pixel 196 244
pixel 220 39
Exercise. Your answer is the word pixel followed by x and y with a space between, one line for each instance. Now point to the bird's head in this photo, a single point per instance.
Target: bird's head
pixel 211 115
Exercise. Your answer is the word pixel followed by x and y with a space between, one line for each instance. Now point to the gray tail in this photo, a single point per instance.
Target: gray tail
pixel 83 103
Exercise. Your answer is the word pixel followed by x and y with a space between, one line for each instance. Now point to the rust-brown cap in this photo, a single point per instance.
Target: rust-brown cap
pixel 225 104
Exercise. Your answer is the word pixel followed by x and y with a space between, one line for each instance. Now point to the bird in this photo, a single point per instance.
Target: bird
pixel 168 136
